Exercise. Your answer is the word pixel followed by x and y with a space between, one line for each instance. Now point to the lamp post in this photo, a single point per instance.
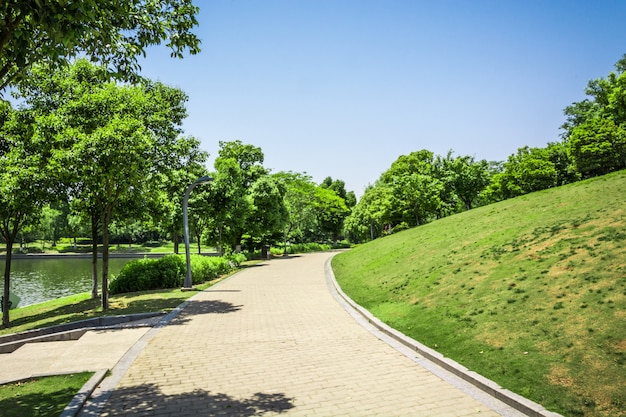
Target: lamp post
pixel 188 284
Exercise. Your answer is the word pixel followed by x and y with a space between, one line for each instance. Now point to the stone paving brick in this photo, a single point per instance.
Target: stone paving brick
pixel 273 341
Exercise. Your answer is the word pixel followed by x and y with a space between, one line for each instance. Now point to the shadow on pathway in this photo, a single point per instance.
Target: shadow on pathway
pixel 198 402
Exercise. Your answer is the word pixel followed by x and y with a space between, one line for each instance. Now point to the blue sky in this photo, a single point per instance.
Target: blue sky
pixel 341 88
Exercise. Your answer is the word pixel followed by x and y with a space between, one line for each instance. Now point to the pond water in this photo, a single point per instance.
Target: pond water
pixel 40 279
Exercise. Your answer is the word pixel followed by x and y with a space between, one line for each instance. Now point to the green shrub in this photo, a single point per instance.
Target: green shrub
pixel 169 272
pixel 149 274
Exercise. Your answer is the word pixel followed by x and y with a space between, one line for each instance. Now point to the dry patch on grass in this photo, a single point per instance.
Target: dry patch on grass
pixel 559 375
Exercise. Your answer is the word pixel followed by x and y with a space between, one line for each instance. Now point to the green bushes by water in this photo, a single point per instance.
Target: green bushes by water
pixel 169 272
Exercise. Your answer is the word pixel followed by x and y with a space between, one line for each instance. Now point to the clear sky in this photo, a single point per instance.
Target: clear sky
pixel 341 88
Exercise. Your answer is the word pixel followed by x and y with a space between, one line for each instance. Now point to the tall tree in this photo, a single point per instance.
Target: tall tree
pixel 112 32
pixel 112 141
pixel 469 178
pixel 185 165
pixel 331 211
pixel 300 192
pixel 598 146
pixel 371 214
pixel 595 129
pixel 528 170
pixel 25 183
pixel 269 214
pixel 238 167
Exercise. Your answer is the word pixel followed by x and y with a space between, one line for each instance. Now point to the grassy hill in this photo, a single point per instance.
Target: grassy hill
pixel 529 292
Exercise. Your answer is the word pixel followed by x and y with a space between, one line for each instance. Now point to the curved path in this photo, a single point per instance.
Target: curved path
pixel 273 340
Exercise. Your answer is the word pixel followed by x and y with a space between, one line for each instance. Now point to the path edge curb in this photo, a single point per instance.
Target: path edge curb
pixel 79 400
pixel 521 404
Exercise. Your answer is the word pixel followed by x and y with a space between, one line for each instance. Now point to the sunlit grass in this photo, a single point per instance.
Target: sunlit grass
pixel 45 397
pixel 82 307
pixel 530 292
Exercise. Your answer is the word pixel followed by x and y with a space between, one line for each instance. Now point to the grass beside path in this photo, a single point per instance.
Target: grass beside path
pixel 81 306
pixel 43 397
pixel 529 292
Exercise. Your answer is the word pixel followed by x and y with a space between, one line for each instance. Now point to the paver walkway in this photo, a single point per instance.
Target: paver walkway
pixel 95 350
pixel 272 340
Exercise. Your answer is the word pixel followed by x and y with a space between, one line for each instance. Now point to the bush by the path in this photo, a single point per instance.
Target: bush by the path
pixel 308 247
pixel 169 272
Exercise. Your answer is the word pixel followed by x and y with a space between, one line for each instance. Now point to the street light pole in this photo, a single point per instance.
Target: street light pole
pixel 188 284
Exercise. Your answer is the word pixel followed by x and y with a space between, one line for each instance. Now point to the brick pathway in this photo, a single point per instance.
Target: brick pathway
pixel 272 340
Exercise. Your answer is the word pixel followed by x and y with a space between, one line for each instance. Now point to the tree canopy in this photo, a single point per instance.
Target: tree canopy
pixel 112 32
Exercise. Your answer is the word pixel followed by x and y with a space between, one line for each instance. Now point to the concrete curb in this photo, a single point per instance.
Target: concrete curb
pixel 77 403
pixel 71 331
pixel 523 405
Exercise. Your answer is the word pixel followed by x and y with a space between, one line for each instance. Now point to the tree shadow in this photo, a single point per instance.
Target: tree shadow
pixel 286 257
pixel 49 402
pixel 147 398
pixel 197 307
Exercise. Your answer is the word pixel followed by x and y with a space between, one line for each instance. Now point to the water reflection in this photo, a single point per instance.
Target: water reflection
pixel 39 279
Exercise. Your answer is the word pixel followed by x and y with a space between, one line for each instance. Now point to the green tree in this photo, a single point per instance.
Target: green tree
pixel 25 184
pixel 184 165
pixel 299 194
pixel 371 214
pixel 529 170
pixel 330 210
pixel 46 227
pixel 594 128
pixel 112 142
pixel 468 178
pixel 417 194
pixel 269 213
pixel 114 33
pixel 416 190
pixel 238 167
pixel 597 147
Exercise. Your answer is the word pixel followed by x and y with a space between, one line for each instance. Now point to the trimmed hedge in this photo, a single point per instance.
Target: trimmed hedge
pixel 169 272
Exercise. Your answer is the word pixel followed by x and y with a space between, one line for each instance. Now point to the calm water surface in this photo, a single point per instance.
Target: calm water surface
pixel 43 279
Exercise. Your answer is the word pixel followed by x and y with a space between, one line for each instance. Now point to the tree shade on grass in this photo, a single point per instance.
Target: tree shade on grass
pixel 42 397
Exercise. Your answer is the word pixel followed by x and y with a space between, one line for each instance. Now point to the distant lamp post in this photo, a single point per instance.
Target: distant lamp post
pixel 188 284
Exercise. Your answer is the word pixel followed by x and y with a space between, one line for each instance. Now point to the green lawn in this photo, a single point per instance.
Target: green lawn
pixel 81 307
pixel 42 397
pixel 530 292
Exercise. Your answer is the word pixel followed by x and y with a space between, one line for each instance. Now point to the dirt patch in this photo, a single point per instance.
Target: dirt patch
pixel 559 375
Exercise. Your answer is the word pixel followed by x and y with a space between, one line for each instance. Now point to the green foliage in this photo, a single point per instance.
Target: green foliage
pixel 26 182
pixel 114 33
pixel 149 274
pixel 308 247
pixel 169 272
pixel 299 192
pixel 597 147
pixel 529 292
pixel 330 211
pixel 527 171
pixel 111 143
pixel 595 130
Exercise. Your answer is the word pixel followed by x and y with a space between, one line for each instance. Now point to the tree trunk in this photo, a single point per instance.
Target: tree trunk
pixel 94 256
pixel 7 283
pixel 175 238
pixel 220 247
pixel 105 260
pixel 198 240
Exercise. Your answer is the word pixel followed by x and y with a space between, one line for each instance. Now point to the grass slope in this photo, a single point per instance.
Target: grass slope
pixel 529 292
